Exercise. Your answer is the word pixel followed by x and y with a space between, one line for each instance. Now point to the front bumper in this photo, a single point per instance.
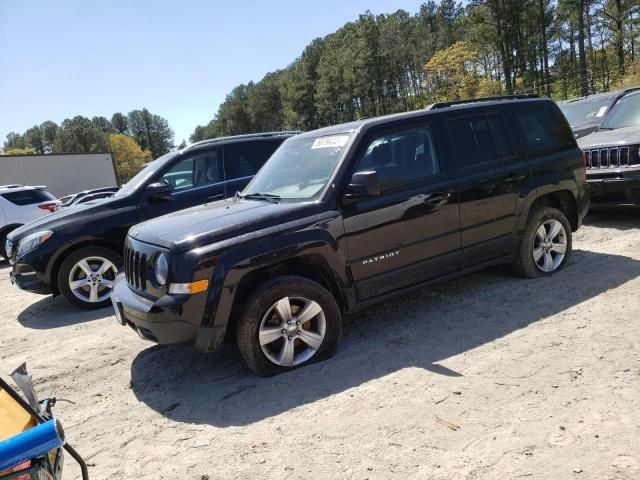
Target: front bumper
pixel 26 278
pixel 615 187
pixel 167 320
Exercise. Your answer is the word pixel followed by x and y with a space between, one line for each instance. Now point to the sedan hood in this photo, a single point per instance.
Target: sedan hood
pixel 214 222
pixel 611 138
pixel 65 218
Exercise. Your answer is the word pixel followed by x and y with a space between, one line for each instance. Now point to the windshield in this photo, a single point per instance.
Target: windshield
pixel 300 168
pixel 625 113
pixel 587 110
pixel 143 175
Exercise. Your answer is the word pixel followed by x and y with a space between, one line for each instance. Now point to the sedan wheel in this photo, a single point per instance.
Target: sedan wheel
pixel 91 279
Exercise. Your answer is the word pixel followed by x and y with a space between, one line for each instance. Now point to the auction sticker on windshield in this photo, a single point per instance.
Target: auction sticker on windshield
pixel 330 142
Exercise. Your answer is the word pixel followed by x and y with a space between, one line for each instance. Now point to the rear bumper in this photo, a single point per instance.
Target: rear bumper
pixel 26 278
pixel 166 321
pixel 615 187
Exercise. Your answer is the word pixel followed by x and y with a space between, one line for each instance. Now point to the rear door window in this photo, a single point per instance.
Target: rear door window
pixel 479 139
pixel 28 197
pixel 245 159
pixel 543 129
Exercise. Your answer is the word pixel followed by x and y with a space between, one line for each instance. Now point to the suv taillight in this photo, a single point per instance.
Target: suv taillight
pixel 52 207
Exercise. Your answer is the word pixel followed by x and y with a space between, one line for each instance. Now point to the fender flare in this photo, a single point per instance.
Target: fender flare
pixel 235 265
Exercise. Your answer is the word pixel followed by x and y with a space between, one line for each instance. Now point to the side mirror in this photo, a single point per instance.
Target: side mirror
pixel 158 191
pixel 363 184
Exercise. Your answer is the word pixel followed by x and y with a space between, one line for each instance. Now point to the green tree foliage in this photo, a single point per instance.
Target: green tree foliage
pixel 376 64
pixel 48 130
pixel 151 132
pixel 19 151
pixel 120 123
pixel 80 135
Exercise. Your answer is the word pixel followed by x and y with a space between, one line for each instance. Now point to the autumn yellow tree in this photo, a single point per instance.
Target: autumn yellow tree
pixel 128 155
pixel 452 74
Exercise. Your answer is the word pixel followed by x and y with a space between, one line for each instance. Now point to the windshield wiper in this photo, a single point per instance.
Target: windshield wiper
pixel 269 197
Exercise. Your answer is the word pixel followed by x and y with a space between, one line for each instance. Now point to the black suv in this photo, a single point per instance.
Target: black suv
pixel 77 251
pixel 613 155
pixel 349 215
pixel 585 114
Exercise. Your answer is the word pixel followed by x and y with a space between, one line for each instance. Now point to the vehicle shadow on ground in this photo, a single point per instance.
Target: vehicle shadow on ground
pixel 418 330
pixel 619 218
pixel 56 312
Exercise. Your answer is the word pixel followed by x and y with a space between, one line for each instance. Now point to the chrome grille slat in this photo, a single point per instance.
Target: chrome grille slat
pixel 137 269
pixel 610 157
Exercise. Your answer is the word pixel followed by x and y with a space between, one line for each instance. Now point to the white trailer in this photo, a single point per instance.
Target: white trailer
pixel 63 174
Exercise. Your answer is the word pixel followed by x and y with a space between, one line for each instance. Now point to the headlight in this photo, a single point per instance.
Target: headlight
pixel 30 242
pixel 162 269
pixel 8 247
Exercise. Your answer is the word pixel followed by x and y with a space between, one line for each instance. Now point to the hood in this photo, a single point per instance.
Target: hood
pixel 583 129
pixel 217 221
pixel 63 217
pixel 611 138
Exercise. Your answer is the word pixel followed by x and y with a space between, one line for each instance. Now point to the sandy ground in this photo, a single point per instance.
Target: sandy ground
pixel 488 377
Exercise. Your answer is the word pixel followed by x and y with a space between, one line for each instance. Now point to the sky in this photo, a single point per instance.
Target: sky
pixel 179 59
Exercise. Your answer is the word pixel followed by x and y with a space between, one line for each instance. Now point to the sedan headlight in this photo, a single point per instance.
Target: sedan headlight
pixel 162 269
pixel 30 242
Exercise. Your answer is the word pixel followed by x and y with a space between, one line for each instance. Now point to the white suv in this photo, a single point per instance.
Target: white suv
pixel 20 205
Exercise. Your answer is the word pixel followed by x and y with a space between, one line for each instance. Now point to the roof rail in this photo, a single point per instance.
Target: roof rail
pixel 13 185
pixel 436 106
pixel 211 141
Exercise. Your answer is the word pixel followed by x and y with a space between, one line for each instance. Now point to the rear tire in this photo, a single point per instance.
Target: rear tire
pixel 287 323
pixel 86 277
pixel 545 246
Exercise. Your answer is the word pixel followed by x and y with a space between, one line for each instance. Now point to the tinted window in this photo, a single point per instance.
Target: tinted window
pixel 587 110
pixel 500 137
pixel 204 168
pixel 28 197
pixel 402 157
pixel 542 129
pixel 625 113
pixel 473 141
pixel 245 159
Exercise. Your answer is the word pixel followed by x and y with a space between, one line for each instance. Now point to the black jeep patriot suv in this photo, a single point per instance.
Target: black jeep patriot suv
pixel 77 251
pixel 349 215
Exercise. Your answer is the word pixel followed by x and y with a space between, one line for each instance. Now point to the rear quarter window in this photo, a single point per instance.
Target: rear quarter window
pixel 28 197
pixel 543 128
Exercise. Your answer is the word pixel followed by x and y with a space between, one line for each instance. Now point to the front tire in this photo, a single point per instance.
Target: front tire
pixel 3 252
pixel 287 323
pixel 546 244
pixel 86 277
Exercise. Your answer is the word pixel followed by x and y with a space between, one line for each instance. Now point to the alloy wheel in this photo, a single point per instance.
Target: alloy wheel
pixel 91 279
pixel 549 245
pixel 292 331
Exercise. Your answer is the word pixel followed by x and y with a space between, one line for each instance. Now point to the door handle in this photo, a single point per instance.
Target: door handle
pixel 514 177
pixel 212 198
pixel 437 197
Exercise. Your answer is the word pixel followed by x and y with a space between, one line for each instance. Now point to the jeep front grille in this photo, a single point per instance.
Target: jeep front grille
pixel 610 157
pixel 135 268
